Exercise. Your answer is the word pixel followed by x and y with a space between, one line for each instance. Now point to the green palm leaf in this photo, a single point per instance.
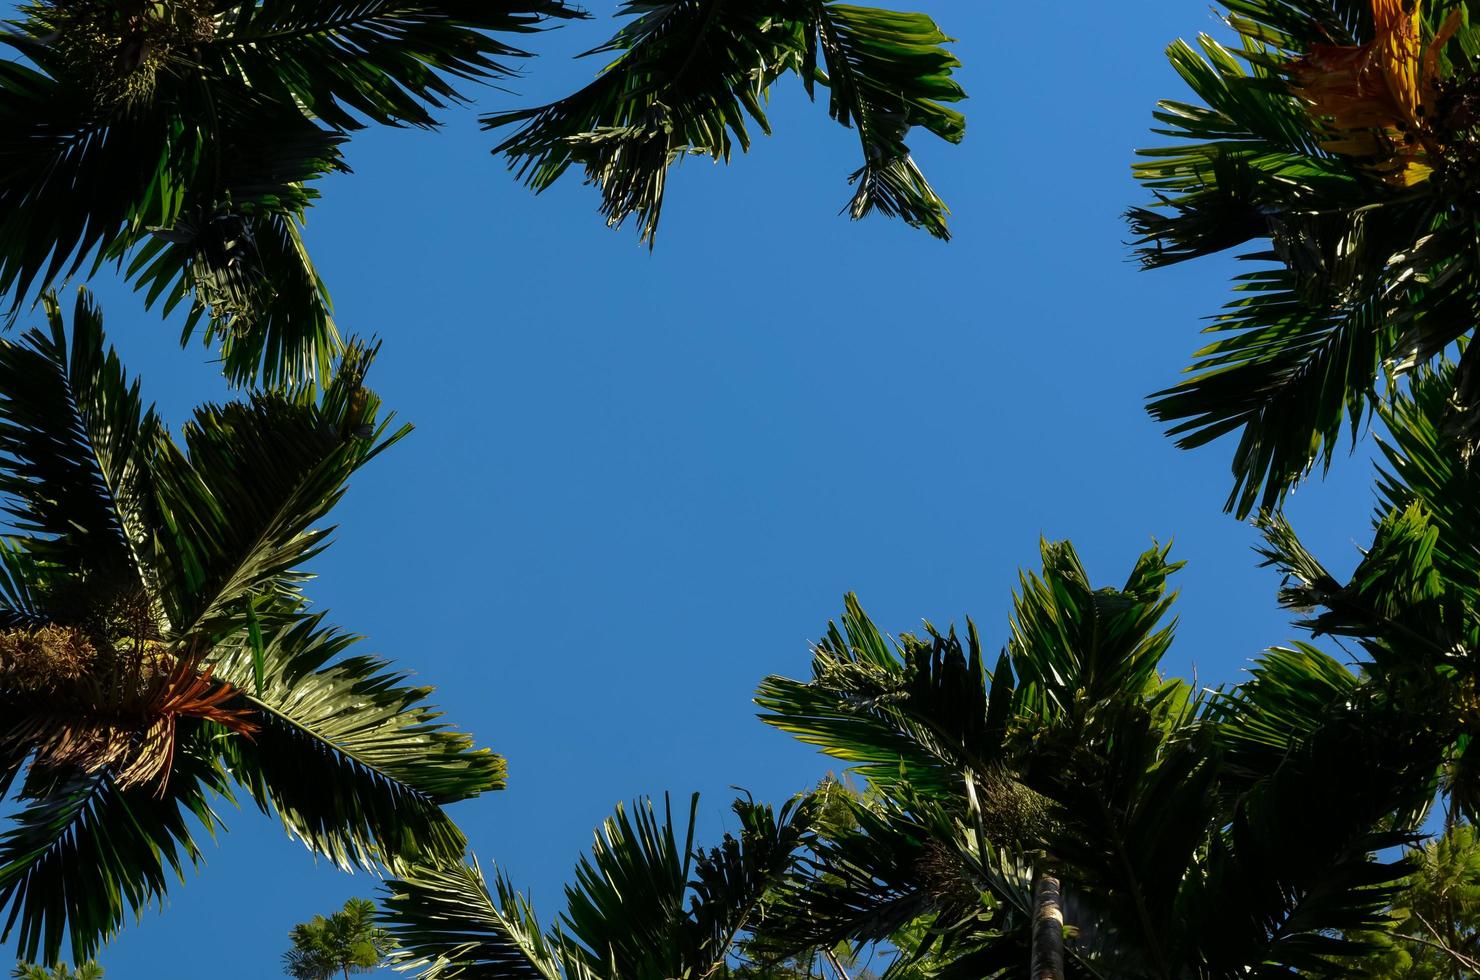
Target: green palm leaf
pixel 645 903
pixel 689 76
pixel 82 852
pixel 351 758
pixel 1362 276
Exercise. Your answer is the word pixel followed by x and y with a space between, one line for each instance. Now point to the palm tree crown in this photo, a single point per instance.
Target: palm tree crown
pixel 156 649
pixel 346 942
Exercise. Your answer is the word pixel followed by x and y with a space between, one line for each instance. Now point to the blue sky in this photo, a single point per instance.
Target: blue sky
pixel 640 482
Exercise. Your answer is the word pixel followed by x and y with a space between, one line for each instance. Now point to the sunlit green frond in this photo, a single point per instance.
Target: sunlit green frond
pixel 915 711
pixel 1074 646
pixel 1291 693
pixel 351 757
pixel 645 903
pixel 887 73
pixel 689 77
pixel 450 925
pixel 240 503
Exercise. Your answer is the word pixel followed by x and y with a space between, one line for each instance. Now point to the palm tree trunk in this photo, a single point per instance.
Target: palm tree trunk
pixel 1048 931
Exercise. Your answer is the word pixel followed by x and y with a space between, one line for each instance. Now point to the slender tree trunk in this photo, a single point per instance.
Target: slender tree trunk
pixel 1048 931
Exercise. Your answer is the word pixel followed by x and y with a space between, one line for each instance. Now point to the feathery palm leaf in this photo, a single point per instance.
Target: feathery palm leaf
pixel 645 903
pixel 687 78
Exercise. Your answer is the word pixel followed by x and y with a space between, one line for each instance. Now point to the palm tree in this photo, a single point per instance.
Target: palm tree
pixel 1336 144
pixel 348 941
pixel 1437 914
pixel 1174 824
pixel 85 971
pixel 181 138
pixel 646 903
pixel 156 649
pixel 686 76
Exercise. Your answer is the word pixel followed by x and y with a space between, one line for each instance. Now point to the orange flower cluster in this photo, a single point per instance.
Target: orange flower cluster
pixel 1375 99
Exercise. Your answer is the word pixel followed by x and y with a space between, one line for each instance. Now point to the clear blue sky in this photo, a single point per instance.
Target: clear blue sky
pixel 640 482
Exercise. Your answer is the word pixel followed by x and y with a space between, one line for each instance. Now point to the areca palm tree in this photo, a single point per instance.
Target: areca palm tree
pixel 181 139
pixel 646 904
pixel 1335 144
pixel 1170 820
pixel 157 653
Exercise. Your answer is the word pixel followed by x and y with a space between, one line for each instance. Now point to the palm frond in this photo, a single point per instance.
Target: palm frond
pixel 626 914
pixel 913 711
pixel 448 924
pixel 887 73
pixel 75 448
pixel 238 506
pixel 351 758
pixel 389 61
pixel 688 76
pixel 83 852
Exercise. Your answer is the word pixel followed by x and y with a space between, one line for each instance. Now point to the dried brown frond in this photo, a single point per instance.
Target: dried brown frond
pixel 85 709
pixel 45 659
